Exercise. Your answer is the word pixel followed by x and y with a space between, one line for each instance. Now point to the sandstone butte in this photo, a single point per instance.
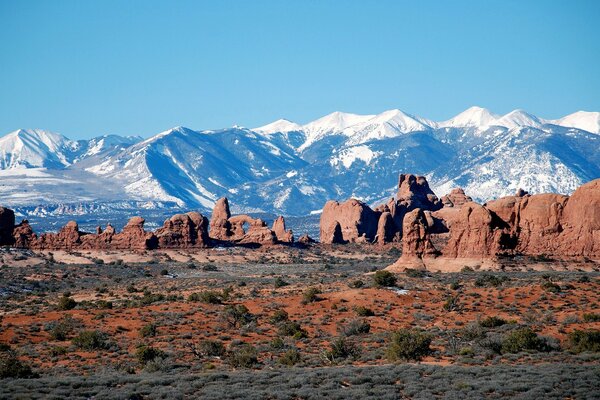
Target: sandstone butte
pixel 424 225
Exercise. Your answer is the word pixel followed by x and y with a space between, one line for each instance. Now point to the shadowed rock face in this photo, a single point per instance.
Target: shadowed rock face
pixel 7 222
pixel 283 235
pixel 184 231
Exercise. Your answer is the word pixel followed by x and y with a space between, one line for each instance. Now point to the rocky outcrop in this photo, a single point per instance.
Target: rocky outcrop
pixel 416 242
pixel 305 239
pixel 456 198
pixel 220 228
pixel 350 221
pixel 386 229
pixel 184 231
pixel 414 192
pixel 580 222
pixel 283 235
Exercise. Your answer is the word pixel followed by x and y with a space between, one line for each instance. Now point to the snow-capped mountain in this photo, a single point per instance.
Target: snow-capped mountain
pixel 289 168
pixel 587 121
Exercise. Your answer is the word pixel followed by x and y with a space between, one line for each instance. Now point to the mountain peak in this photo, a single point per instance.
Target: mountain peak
pixel 586 120
pixel 474 116
pixel 281 125
pixel 517 118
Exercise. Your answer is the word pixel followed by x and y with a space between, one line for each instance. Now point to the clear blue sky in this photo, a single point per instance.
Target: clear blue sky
pixel 85 68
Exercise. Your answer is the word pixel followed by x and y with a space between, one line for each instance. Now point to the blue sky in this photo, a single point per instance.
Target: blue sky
pixel 85 68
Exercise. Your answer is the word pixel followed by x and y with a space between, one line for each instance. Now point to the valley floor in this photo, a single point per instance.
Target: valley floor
pixel 294 323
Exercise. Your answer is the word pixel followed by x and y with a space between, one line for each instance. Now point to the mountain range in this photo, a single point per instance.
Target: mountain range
pixel 292 169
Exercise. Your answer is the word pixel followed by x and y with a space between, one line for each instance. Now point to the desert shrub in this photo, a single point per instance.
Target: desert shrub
pixel 311 295
pixel 409 344
pixel 550 286
pixel 243 356
pixel 591 317
pixel 164 272
pixel 584 340
pixel 66 303
pixel 279 316
pixel 210 297
pixel 363 311
pixel 149 297
pixel 523 339
pixel 415 273
pixel 279 282
pixel 237 315
pixel 467 269
pixel 357 284
pixel 144 354
pixel 63 328
pixel 384 278
pixel 291 328
pixel 341 349
pixel 290 358
pixel 91 340
pixel 148 330
pixel 12 367
pixel 355 327
pixel 490 280
pixel 209 267
pixel 492 322
pixel 277 343
pixel 451 303
pixel 104 305
pixel 57 351
pixel 212 348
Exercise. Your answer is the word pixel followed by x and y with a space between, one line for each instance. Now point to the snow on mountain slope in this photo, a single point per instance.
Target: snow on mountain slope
pixel 588 121
pixel 30 148
pixel 334 123
pixel 471 117
pixel 281 125
pixel 518 118
pixel 385 125
pixel 196 168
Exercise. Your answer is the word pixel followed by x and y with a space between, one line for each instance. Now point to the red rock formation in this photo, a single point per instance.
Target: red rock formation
pixel 283 235
pixel 184 231
pixel 416 242
pixel 67 238
pixel 23 235
pixel 134 237
pixel 7 223
pixel 305 239
pixel 386 228
pixel 220 228
pixel 353 220
pixel 456 198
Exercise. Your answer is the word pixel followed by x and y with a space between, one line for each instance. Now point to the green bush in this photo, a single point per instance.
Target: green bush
pixel 279 316
pixel 451 303
pixel 243 356
pixel 341 349
pixel 355 327
pixel 12 367
pixel 290 358
pixel 210 297
pixel 523 339
pixel 212 348
pixel 237 315
pixel 492 322
pixel 550 286
pixel 584 340
pixel 66 303
pixel 409 344
pixel 144 354
pixel 148 330
pixel 362 311
pixel 91 340
pixel 591 317
pixel 311 295
pixel 63 328
pixel 490 280
pixel 384 278
pixel 291 328
pixel 279 282
pixel 357 284
pixel 415 273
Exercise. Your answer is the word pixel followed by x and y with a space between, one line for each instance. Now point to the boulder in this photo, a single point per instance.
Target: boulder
pixel 305 239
